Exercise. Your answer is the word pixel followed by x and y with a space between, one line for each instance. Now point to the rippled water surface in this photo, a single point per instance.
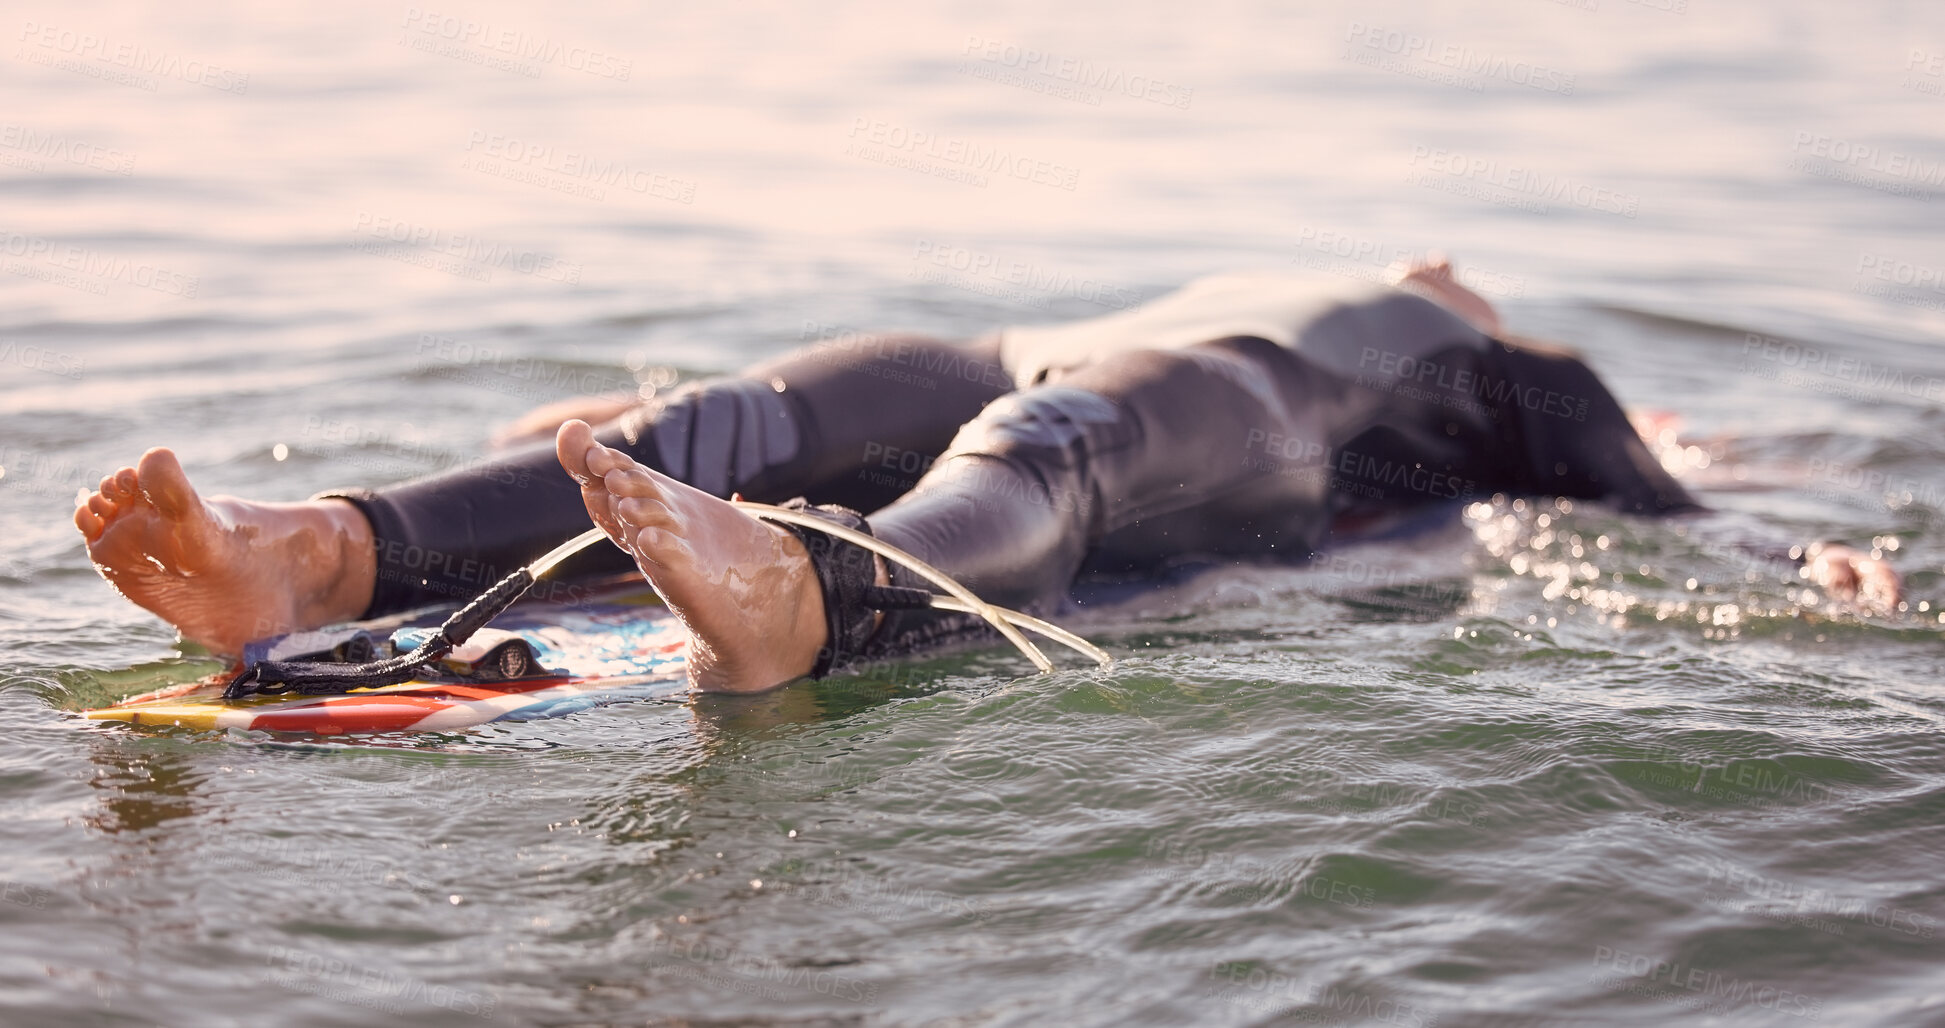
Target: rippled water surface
pixel 1545 764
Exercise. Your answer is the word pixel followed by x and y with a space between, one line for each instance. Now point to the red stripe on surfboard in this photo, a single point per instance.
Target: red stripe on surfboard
pixel 384 712
pixel 338 715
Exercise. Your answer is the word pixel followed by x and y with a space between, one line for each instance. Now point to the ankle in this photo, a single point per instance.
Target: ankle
pixel 349 559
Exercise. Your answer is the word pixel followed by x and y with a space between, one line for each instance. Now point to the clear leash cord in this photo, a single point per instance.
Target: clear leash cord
pixel 961 599
pixel 333 677
pixel 1003 621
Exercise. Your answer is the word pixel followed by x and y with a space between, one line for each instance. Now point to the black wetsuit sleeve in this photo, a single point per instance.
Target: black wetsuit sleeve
pixel 1572 437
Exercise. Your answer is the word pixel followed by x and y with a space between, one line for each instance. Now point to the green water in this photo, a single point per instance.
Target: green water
pixel 1536 766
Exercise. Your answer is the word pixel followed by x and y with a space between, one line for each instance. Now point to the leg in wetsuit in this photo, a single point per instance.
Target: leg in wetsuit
pixel 852 422
pixel 1233 446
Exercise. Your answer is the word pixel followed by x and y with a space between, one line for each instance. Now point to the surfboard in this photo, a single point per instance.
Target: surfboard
pixel 621 649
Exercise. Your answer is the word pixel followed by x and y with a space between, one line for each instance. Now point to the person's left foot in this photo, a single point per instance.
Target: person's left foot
pixel 744 590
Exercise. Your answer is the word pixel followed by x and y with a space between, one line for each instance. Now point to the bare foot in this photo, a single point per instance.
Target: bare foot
pixel 225 571
pixel 744 590
pixel 1433 278
pixel 1851 574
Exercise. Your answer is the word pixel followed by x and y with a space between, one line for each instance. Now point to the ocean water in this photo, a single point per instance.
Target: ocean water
pixel 1543 765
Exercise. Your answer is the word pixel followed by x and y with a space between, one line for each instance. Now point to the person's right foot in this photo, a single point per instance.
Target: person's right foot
pixel 225 571
pixel 744 590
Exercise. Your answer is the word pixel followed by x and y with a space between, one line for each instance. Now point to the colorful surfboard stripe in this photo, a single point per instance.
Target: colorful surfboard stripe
pixel 605 654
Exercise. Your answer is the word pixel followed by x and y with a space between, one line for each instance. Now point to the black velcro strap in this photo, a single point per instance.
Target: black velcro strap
pixel 847 575
pixel 896 597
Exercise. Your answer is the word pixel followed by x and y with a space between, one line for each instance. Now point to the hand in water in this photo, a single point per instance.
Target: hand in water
pixel 1851 574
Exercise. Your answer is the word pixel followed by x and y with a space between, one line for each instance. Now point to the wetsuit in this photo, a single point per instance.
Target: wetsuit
pixel 1244 415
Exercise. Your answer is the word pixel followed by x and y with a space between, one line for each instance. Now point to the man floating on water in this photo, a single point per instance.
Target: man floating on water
pixel 1250 417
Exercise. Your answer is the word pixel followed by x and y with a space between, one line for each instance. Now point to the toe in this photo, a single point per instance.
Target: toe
pixel 571 445
pixel 632 480
pixel 603 461
pixel 663 548
pixel 90 523
pixel 601 509
pixel 643 511
pixel 165 485
pixel 102 507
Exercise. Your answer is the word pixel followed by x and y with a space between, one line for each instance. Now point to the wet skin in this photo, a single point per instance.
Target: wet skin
pixel 225 571
pixel 744 589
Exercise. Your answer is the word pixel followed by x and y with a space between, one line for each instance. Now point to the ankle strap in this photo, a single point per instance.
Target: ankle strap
pixel 847 576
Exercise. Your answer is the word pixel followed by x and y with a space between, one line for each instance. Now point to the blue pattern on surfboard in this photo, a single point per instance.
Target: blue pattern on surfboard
pixel 599 642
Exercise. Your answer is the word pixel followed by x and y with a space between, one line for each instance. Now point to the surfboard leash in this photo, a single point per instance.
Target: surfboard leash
pixel 325 678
